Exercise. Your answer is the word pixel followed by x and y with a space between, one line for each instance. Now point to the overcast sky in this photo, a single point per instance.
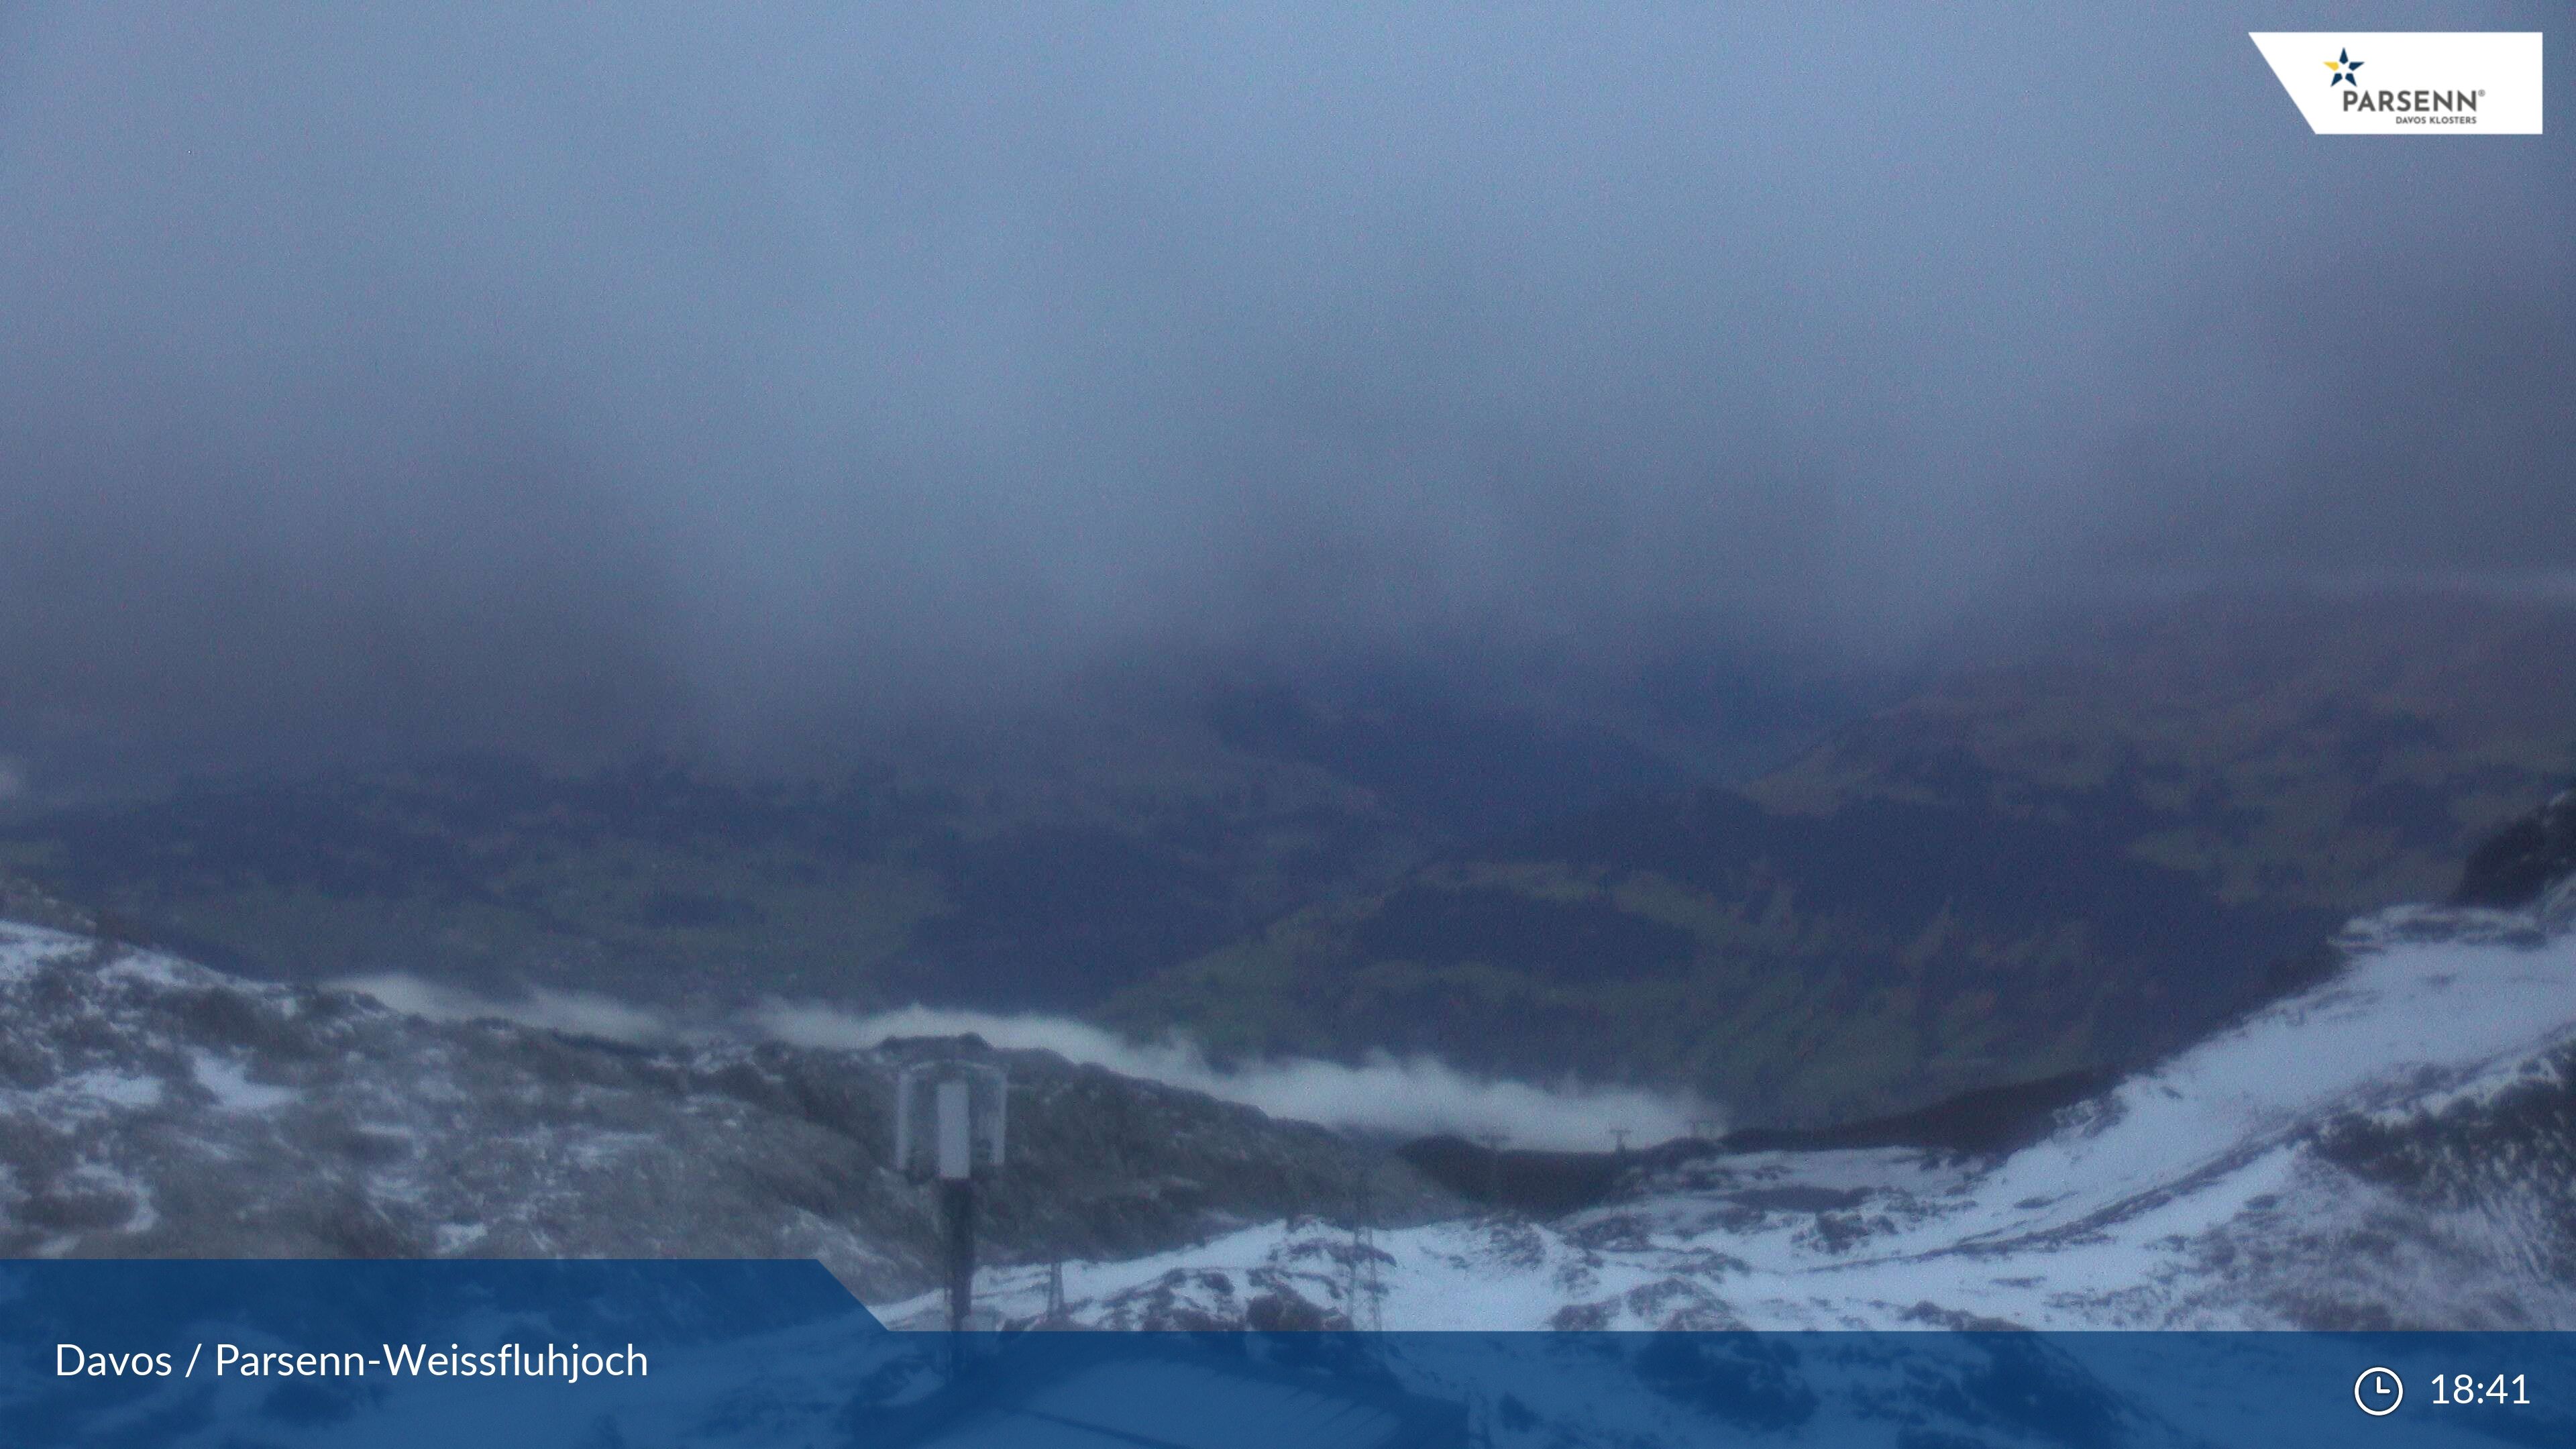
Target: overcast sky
pixel 376 379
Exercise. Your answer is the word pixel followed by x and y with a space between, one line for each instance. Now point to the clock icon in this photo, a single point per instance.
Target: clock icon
pixel 2378 1391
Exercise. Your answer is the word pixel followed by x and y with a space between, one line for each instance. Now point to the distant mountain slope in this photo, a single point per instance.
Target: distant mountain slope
pixel 655 882
pixel 2336 752
pixel 1037 861
pixel 1795 968
pixel 2074 862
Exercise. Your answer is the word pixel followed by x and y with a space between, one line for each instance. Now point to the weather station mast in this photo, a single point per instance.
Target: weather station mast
pixel 949 1119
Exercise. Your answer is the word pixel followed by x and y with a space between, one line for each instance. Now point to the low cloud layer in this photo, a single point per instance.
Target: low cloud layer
pixel 1413 1096
pixel 1410 1097
pixel 376 380
pixel 579 1013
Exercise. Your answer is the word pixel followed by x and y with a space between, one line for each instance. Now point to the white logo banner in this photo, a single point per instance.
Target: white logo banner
pixel 2378 83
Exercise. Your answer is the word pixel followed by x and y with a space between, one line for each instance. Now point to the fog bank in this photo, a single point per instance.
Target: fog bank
pixel 1409 1097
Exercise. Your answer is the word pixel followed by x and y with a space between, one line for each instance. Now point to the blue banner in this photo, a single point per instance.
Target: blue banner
pixel 626 1355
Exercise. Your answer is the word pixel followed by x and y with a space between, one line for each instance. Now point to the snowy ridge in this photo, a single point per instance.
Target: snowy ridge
pixel 2418 1101
pixel 2393 1147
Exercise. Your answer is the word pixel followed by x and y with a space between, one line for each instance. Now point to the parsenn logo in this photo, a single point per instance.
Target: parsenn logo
pixel 2458 83
pixel 2428 102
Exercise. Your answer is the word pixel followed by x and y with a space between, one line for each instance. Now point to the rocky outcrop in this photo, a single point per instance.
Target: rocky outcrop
pixel 2520 863
pixel 154 1108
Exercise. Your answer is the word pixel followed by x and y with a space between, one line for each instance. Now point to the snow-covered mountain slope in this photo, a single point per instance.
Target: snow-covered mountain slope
pixel 2393 1147
pixel 154 1108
